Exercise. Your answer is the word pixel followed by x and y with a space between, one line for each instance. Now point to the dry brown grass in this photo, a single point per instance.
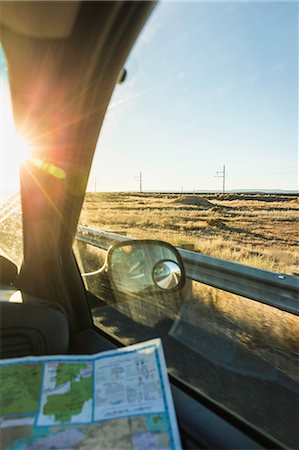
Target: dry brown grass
pixel 258 230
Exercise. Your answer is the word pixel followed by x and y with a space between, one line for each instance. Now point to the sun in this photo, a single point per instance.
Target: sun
pixel 21 149
pixel 15 151
pixel 14 148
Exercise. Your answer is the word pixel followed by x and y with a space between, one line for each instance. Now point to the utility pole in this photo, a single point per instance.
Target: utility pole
pixel 140 181
pixel 221 174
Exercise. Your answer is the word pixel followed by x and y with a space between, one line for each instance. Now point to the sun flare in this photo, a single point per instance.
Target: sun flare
pixel 21 149
pixel 14 148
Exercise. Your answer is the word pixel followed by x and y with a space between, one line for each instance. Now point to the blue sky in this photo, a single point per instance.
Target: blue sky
pixel 208 84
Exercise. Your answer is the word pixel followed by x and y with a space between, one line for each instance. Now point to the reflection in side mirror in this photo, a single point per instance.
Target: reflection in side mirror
pixel 167 274
pixel 145 266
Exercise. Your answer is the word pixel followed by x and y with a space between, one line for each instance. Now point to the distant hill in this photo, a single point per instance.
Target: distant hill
pixel 232 191
pixel 264 191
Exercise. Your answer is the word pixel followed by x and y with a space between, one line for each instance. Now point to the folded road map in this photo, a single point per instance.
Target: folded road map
pixel 114 400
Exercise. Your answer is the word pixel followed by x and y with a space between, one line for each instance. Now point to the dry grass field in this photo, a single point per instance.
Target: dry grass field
pixel 259 230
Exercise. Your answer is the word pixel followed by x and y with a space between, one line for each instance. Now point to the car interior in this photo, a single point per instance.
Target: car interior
pixel 64 59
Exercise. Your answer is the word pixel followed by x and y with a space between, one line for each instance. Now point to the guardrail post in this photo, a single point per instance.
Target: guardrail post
pixel 188 289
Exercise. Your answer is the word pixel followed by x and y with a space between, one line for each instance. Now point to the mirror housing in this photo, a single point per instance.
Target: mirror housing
pixel 145 266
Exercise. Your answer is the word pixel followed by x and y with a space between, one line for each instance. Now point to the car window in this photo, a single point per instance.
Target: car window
pixel 199 149
pixel 12 153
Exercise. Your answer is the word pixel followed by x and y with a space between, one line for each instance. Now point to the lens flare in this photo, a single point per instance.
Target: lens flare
pixel 49 168
pixel 22 149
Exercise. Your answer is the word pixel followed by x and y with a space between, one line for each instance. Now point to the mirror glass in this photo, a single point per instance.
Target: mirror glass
pixel 167 274
pixel 138 266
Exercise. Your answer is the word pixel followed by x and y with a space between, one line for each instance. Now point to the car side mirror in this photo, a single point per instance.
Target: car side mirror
pixel 145 266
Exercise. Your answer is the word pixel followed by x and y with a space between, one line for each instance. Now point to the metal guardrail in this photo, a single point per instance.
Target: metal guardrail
pixel 278 290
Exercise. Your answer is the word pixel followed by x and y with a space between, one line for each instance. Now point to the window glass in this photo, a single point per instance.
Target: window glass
pixel 12 153
pixel 199 149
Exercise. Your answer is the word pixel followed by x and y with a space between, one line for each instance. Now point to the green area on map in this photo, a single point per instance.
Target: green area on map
pixel 66 372
pixel 70 403
pixel 20 388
